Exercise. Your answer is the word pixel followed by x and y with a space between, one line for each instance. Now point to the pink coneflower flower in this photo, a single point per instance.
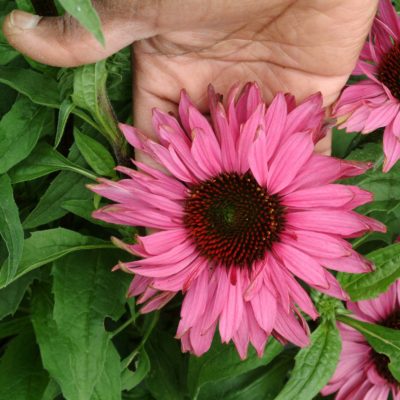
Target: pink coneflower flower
pixel 243 208
pixel 362 373
pixel 375 102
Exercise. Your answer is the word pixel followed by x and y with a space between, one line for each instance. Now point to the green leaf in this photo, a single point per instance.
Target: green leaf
pixel 84 209
pixel 263 383
pixel 86 14
pixel 10 227
pixel 49 245
pixel 66 108
pixel 71 332
pixel 370 285
pixel 7 53
pixel 222 361
pixel 21 371
pixel 90 94
pixel 130 379
pixel 95 154
pixel 383 340
pixel 20 130
pixel 166 376
pixel 39 88
pixel 14 326
pixel 43 161
pixel 314 365
pixel 11 296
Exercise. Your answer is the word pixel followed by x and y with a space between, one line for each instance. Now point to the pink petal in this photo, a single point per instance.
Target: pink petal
pixel 391 148
pixel 258 161
pixel 264 308
pixel 381 116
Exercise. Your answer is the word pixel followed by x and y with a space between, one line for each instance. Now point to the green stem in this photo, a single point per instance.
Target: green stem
pixel 127 323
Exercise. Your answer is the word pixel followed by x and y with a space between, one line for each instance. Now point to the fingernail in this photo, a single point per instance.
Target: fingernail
pixel 23 20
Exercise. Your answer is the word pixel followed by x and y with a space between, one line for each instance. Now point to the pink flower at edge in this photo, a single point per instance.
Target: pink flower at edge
pixel 375 102
pixel 363 374
pixel 244 208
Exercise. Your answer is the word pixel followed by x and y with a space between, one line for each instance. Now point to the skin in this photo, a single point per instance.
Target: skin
pixel 297 46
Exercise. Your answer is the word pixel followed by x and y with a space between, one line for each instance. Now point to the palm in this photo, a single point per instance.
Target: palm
pixel 299 46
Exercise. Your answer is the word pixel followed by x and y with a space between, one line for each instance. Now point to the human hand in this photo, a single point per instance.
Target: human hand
pixel 293 46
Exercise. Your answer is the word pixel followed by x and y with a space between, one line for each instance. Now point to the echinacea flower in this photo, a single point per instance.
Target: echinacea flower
pixel 375 102
pixel 243 206
pixel 362 373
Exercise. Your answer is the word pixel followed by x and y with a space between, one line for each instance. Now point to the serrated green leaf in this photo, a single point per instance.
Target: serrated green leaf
pixel 314 365
pixel 66 109
pixel 49 245
pixel 10 227
pixel 43 161
pixel 22 376
pixel 370 285
pixel 20 130
pixel 40 89
pixel 95 154
pixel 86 14
pixel 383 340
pixel 71 332
pixel 222 361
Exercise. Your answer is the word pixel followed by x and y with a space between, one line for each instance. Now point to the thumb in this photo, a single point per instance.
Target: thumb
pixel 63 42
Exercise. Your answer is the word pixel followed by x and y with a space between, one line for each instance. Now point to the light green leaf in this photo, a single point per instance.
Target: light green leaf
pixel 10 227
pixel 49 245
pixel 222 361
pixel 314 364
pixel 22 376
pixel 40 89
pixel 130 379
pixel 72 331
pixel 43 161
pixel 86 14
pixel 370 285
pixel 66 108
pixel 95 154
pixel 20 130
pixel 383 340
pixel 90 94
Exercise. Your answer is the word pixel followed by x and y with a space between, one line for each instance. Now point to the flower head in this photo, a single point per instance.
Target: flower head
pixel 375 102
pixel 362 373
pixel 243 206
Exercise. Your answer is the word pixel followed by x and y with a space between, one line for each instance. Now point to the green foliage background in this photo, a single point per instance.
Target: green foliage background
pixel 67 330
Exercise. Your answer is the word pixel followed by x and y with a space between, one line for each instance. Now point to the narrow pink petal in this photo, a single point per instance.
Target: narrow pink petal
pixel 391 148
pixel 298 149
pixel 353 263
pixel 201 341
pixel 322 196
pixel 356 121
pixel 264 308
pixel 138 285
pixel 258 337
pixel 241 337
pixel 161 242
pixel 301 265
pixel 318 244
pixel 374 376
pixel 344 223
pixel 287 326
pixel 258 161
pixel 377 393
pixel 334 289
pixel 157 302
pixel 248 101
pixel 133 136
pixel 231 314
pixel 184 104
pixel 388 15
pixel 171 127
pixel 381 116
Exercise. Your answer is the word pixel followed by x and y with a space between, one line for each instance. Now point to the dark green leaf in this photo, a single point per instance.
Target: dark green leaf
pixel 10 227
pixel 86 14
pixel 14 326
pixel 40 89
pixel 43 161
pixel 21 373
pixel 165 379
pixel 49 245
pixel 11 296
pixel 383 340
pixel 20 130
pixel 66 108
pixel 314 364
pixel 222 361
pixel 95 154
pixel 370 285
